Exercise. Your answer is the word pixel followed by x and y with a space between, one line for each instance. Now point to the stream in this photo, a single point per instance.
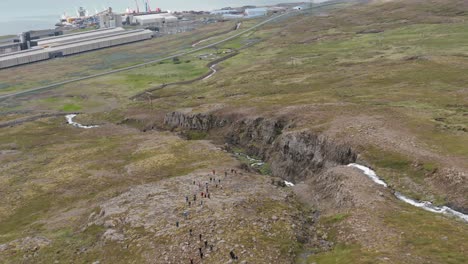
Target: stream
pixel 213 68
pixel 425 205
pixel 428 206
pixel 75 124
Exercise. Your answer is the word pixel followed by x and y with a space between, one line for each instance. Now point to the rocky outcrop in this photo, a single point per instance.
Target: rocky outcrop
pixel 199 121
pixel 292 155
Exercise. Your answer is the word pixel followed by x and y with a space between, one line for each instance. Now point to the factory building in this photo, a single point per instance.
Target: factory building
pixel 255 12
pixel 9 47
pixel 73 44
pixel 155 20
pixel 108 19
pixel 223 12
pixel 23 57
pixel 45 42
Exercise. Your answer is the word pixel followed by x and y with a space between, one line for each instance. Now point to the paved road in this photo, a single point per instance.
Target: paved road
pixel 142 64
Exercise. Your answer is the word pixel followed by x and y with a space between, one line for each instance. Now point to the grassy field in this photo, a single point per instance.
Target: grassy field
pixel 388 78
pixel 408 78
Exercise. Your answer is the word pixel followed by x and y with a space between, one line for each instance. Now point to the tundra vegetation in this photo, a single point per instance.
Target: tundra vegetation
pixel 384 78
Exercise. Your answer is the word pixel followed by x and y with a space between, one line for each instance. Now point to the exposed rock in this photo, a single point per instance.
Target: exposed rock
pixel 27 244
pixel 113 235
pixel 292 155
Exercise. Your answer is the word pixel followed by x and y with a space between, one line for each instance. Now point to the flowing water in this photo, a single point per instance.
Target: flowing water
pixel 428 206
pixel 75 124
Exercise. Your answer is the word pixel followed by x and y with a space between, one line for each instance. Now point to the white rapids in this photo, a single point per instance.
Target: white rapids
pixel 428 206
pixel 75 124
pixel 213 68
pixel 289 184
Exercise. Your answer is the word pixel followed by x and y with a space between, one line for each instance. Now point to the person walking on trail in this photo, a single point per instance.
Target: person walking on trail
pixel 191 260
pixel 233 256
pixel 199 249
pixel 177 224
pixel 185 215
pixel 211 179
pixel 219 181
pixel 200 237
pixel 206 244
pixel 189 203
pixel 202 195
pixel 201 255
pixel 211 247
pixel 190 232
pixel 186 199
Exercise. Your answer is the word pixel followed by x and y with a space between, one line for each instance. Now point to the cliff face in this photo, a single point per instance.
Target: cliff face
pixel 203 122
pixel 292 155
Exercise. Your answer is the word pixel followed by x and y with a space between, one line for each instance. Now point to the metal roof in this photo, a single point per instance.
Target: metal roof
pixel 82 37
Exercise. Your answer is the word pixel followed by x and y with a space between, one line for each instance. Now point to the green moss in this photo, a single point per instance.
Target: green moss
pixel 334 218
pixel 434 238
pixel 195 135
pixel 70 107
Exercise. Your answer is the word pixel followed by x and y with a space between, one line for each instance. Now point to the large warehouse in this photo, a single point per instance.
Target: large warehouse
pixel 65 45
pixel 45 42
pixel 155 19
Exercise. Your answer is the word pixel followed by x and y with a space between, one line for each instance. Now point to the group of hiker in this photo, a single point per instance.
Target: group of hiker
pixel 204 192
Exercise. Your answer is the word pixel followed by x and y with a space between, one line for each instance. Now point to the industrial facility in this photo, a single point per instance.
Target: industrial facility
pixel 241 13
pixel 65 45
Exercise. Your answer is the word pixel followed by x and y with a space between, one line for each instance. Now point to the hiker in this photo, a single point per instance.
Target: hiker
pixel 185 215
pixel 200 236
pixel 211 179
pixel 193 182
pixel 189 203
pixel 233 256
pixel 219 181
pixel 211 247
pixel 186 199
pixel 177 224
pixel 199 249
pixel 190 232
pixel 191 260
pixel 202 194
pixel 201 255
pixel 206 244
